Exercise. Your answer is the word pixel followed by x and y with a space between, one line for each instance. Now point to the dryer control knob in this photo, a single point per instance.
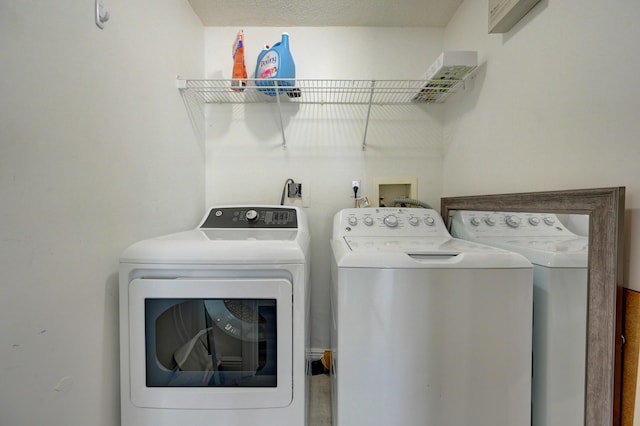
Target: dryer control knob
pixel 513 221
pixel 353 221
pixel 368 220
pixel 534 221
pixel 429 221
pixel 251 215
pixel 475 221
pixel 549 220
pixel 414 221
pixel 391 221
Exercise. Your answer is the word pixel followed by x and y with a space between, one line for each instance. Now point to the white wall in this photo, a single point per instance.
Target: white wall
pixel 245 160
pixel 96 152
pixel 554 105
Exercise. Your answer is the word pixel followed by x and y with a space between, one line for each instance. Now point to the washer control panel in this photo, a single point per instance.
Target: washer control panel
pixel 251 217
pixel 497 224
pixel 387 221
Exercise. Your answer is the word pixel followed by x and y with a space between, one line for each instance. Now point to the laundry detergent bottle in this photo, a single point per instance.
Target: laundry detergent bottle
pixel 274 64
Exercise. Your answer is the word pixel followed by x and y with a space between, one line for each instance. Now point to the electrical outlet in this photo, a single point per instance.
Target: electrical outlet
pixel 294 190
pixel 295 195
pixel 353 192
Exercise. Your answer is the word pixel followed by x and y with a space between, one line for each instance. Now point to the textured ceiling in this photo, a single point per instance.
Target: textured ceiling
pixel 325 13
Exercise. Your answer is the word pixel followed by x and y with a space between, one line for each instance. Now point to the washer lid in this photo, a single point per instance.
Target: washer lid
pixel 414 252
pixel 550 252
pixel 403 244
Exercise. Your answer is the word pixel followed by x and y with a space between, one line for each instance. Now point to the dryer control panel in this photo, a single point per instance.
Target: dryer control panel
pixel 251 217
pixel 389 221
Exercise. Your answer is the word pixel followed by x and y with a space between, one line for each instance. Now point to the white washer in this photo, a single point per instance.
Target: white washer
pixel 214 325
pixel 560 272
pixel 427 330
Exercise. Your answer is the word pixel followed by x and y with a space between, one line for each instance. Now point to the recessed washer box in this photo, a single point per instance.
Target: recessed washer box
pixel 387 190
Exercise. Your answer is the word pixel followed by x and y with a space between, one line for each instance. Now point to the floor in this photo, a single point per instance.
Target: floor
pixel 320 404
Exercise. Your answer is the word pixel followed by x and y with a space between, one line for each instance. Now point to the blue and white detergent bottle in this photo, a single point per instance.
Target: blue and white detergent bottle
pixel 273 64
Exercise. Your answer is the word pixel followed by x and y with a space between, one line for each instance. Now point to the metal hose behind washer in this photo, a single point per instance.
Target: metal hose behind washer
pixel 410 201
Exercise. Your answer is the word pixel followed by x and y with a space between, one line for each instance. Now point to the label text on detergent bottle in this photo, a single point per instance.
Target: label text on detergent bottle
pixel 269 65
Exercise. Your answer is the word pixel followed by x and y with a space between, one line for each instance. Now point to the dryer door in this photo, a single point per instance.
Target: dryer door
pixel 210 343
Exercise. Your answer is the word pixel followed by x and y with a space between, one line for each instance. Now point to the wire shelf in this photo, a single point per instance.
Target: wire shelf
pixel 308 91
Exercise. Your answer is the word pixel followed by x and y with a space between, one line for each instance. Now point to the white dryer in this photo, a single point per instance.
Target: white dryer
pixel 214 322
pixel 559 259
pixel 427 330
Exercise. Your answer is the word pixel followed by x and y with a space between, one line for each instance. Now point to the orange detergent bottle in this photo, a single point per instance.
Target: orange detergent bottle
pixel 239 69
